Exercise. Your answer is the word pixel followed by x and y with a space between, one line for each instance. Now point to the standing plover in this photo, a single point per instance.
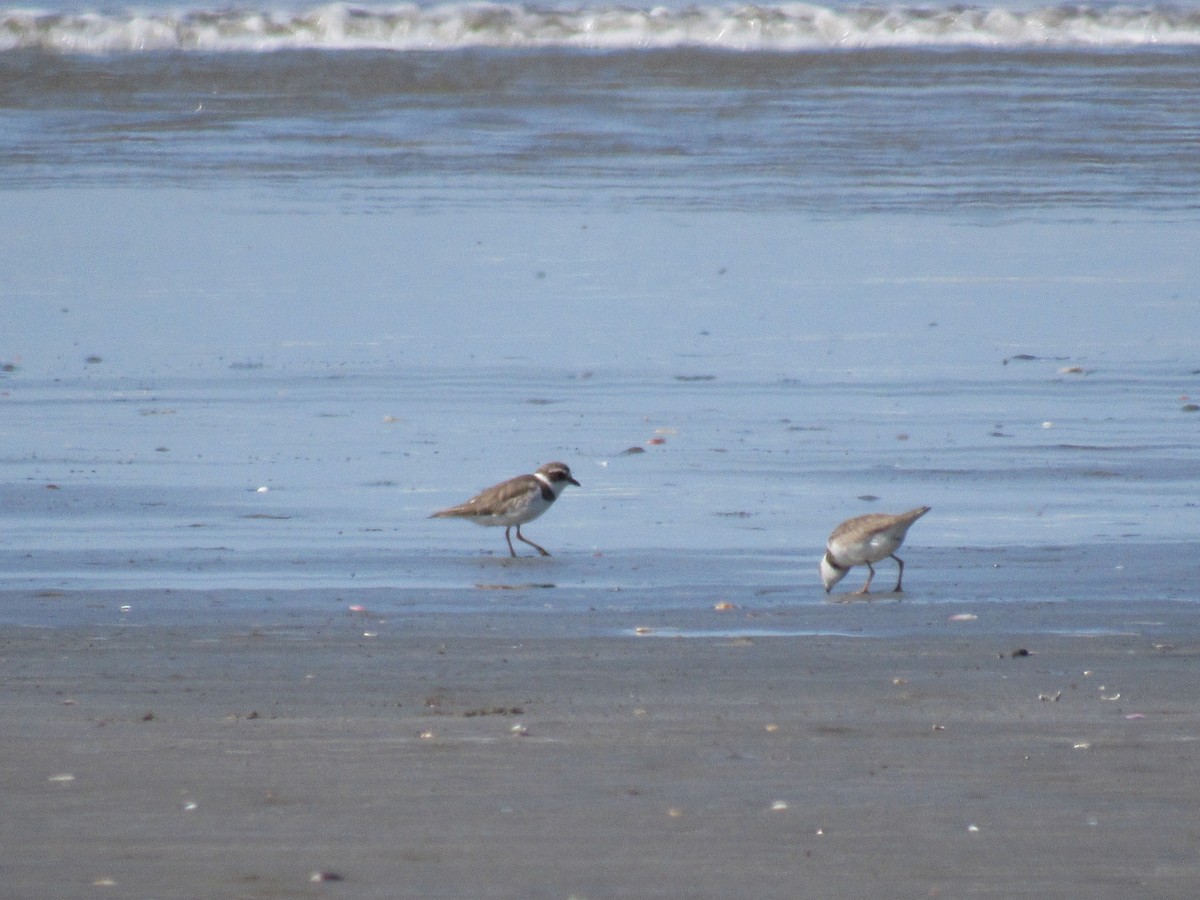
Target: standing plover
pixel 864 540
pixel 515 502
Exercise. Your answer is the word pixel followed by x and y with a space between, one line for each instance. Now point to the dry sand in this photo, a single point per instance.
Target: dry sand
pixel 565 756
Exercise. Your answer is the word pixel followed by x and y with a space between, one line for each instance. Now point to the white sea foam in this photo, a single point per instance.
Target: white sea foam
pixel 779 28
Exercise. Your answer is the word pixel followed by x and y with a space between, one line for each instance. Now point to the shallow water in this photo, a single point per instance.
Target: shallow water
pixel 168 428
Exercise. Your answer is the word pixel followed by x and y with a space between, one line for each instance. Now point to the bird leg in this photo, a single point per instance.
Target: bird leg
pixel 507 538
pixel 900 577
pixel 864 588
pixel 537 547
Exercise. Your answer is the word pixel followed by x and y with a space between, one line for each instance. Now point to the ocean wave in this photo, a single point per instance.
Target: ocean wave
pixel 780 28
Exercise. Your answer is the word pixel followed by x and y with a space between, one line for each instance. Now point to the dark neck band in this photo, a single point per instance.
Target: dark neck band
pixel 834 564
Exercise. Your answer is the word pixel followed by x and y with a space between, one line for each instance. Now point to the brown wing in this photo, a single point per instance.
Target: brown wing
pixel 862 527
pixel 496 500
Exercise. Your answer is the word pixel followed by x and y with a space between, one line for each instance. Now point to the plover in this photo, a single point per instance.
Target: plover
pixel 864 540
pixel 515 502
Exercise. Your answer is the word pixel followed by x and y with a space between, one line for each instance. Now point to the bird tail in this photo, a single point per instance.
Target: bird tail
pixel 913 514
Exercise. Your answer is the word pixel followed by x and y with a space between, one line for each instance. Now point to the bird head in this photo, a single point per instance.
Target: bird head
pixel 831 572
pixel 557 475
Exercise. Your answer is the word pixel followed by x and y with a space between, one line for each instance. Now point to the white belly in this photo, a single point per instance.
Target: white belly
pixel 879 546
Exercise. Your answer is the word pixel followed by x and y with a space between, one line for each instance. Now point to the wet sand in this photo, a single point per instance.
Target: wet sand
pixel 213 750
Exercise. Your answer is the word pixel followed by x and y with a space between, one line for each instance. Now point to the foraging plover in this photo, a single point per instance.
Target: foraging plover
pixel 864 540
pixel 515 502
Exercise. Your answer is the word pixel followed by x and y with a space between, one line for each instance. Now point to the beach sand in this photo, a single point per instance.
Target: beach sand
pixel 210 750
